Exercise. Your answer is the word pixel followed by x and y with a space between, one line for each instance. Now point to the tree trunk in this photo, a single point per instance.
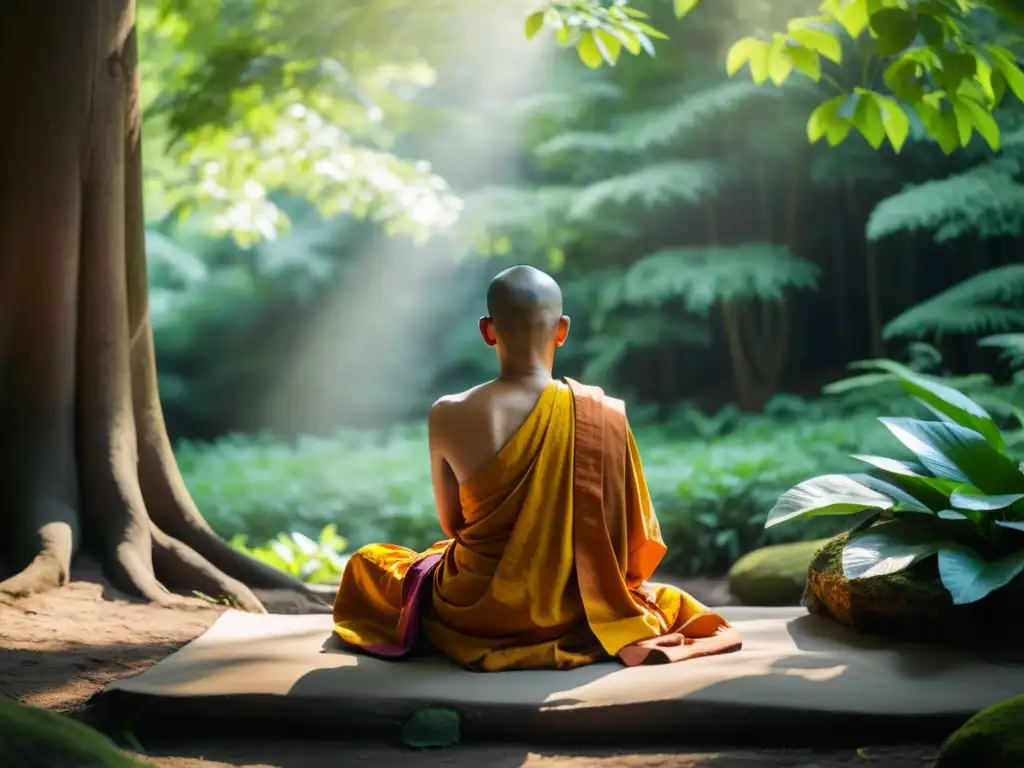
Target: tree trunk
pixel 85 462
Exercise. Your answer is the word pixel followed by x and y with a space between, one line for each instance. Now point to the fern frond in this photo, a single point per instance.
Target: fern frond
pixel 985 202
pixel 652 187
pixel 1011 344
pixel 988 302
pixel 678 121
pixel 583 143
pixel 703 276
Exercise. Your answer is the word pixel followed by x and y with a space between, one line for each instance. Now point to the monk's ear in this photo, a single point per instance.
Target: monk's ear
pixel 487 332
pixel 563 330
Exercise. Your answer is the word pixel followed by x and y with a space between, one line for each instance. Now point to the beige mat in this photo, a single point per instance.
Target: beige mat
pixel 796 672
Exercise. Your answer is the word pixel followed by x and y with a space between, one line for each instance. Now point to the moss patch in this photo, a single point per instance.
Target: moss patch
pixel 910 605
pixel 35 738
pixel 993 738
pixel 775 575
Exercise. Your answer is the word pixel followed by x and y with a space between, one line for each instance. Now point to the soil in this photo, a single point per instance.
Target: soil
pixel 62 647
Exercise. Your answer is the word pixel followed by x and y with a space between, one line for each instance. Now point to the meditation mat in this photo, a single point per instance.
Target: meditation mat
pixel 798 676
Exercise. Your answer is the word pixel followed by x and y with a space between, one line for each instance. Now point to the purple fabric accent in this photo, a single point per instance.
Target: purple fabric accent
pixel 416 590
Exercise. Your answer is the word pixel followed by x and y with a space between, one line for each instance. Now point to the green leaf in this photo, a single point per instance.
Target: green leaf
pixel 825 121
pixel 683 7
pixel 588 50
pixel 895 121
pixel 980 502
pixel 1014 525
pixel 609 45
pixel 931 29
pixel 817 40
pixel 983 121
pixel 751 51
pixel 969 578
pixel 895 466
pixel 804 60
pixel 896 29
pixel 432 727
pixel 534 24
pixel 903 500
pixel 867 118
pixel 1005 61
pixel 886 549
pixel 853 15
pixel 779 63
pixel 956 453
pixel 952 514
pixel 964 123
pixel 826 495
pixel 956 405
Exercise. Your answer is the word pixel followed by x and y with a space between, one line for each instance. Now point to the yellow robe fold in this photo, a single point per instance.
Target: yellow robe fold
pixel 550 569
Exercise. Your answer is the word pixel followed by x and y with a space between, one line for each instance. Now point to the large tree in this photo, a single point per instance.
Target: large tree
pixel 86 462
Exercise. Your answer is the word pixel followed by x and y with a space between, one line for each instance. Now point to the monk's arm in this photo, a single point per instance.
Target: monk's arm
pixel 446 486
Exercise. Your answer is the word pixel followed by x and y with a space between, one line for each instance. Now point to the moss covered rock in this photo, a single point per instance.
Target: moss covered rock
pixel 775 575
pixel 993 738
pixel 911 605
pixel 35 738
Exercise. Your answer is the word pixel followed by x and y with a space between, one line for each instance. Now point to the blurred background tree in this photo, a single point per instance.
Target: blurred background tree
pixel 330 189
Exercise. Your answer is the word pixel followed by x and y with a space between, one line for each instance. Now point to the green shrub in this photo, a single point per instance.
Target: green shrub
pixel 712 478
pixel 955 492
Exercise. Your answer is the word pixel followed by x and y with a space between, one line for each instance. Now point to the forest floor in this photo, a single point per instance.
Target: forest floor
pixel 61 648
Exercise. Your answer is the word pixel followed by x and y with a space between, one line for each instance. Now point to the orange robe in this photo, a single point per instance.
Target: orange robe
pixel 550 568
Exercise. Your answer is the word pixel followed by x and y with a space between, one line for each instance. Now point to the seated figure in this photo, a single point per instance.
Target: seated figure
pixel 551 532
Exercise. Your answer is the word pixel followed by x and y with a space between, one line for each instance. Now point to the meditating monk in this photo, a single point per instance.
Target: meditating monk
pixel 551 532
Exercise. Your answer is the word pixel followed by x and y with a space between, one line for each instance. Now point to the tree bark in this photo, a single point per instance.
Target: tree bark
pixel 85 460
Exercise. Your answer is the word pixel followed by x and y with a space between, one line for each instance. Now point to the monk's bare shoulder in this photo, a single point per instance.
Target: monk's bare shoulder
pixel 449 411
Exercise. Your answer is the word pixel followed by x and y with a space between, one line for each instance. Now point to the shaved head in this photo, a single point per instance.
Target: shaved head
pixel 523 301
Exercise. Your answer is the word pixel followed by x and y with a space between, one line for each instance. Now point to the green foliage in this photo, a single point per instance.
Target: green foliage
pixel 712 479
pixel 988 302
pixel 703 276
pixel 985 201
pixel 960 498
pixel 36 737
pixel 935 59
pixel 316 561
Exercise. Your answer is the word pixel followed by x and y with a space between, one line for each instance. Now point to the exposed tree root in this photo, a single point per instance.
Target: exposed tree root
pixel 90 464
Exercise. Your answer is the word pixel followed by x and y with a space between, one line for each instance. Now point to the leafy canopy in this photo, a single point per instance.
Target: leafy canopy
pixel 945 63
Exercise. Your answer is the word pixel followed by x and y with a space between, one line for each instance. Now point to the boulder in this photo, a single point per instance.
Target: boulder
pixel 993 738
pixel 775 575
pixel 36 738
pixel 913 605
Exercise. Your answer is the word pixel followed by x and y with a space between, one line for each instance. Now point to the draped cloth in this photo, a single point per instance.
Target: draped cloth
pixel 551 566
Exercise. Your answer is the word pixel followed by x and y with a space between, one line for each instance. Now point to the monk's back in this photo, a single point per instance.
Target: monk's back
pixel 481 421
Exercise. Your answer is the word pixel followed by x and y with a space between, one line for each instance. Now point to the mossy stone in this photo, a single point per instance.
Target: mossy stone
pixel 775 575
pixel 911 605
pixel 993 738
pixel 36 738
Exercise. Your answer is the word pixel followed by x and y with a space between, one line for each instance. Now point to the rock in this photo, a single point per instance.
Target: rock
pixel 775 575
pixel 36 738
pixel 993 738
pixel 912 605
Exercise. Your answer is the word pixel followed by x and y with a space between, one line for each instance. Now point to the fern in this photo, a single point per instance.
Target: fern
pixel 985 202
pixel 606 350
pixel 653 187
pixel 582 143
pixel 678 121
pixel 495 215
pixel 1011 344
pixel 702 276
pixel 985 303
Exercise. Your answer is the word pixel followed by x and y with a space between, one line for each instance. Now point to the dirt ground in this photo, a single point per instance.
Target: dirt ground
pixel 61 648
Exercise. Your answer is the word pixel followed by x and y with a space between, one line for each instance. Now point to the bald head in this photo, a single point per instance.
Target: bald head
pixel 524 307
pixel 524 299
